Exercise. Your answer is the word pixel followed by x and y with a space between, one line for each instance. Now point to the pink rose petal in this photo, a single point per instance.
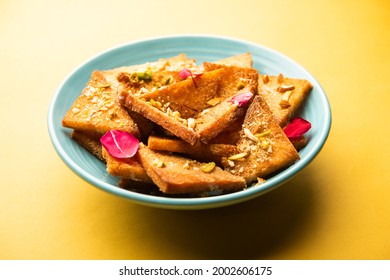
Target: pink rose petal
pixel 184 73
pixel 242 99
pixel 120 144
pixel 297 128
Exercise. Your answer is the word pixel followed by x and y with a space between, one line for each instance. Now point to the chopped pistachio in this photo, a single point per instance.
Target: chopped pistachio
pixel 263 134
pixel 240 85
pixel 208 167
pixel 103 85
pixel 144 76
pixel 155 103
pixel 238 156
pixel 133 77
pixel 264 144
pixel 186 165
pixel 113 115
pixel 176 115
pixel 167 80
pixel 158 163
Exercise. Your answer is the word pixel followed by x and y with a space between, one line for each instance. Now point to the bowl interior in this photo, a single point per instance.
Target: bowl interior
pixel 203 48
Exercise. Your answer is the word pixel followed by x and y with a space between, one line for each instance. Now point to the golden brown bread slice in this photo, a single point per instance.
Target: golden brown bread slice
pixel 176 126
pixel 231 134
pixel 172 106
pixel 98 110
pixel 214 120
pixel 188 109
pixel 241 60
pixel 188 97
pixel 234 78
pixel 202 127
pixel 283 95
pixel 175 175
pixel 90 142
pixel 198 151
pixel 128 168
pixel 263 147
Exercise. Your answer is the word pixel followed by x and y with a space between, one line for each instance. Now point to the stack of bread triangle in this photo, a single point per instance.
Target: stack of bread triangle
pixel 195 138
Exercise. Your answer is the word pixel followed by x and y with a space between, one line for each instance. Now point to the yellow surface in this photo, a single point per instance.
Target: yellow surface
pixel 338 208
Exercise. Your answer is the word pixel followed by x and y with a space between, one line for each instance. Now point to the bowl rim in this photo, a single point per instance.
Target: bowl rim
pixel 203 202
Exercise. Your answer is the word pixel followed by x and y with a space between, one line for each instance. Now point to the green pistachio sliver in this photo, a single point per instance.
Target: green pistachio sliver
pixel 104 85
pixel 133 77
pixel 208 167
pixel 167 80
pixel 264 144
pixel 158 163
pixel 238 156
pixel 263 134
pixel 144 76
pixel 240 85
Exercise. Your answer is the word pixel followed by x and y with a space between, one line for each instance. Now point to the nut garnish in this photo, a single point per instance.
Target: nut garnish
pixel 240 85
pixel 156 104
pixel 265 79
pixel 166 81
pixel 280 78
pixel 263 134
pixel 285 88
pixel 186 165
pixel 231 163
pixel 191 123
pixel 158 163
pixel 239 156
pixel 176 115
pixel 285 101
pixel 214 101
pixel 75 110
pixel 208 167
pixel 250 135
pixel 264 144
pixel 260 180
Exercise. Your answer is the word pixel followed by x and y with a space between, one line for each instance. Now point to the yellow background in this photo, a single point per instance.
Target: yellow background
pixel 337 208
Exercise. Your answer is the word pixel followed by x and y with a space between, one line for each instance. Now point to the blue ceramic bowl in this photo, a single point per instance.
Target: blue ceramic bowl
pixel 203 48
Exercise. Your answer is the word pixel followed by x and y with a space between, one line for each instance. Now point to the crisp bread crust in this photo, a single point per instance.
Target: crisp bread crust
pixel 128 168
pixel 246 141
pixel 270 152
pixel 90 142
pixel 283 110
pixel 200 152
pixel 98 110
pixel 175 174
